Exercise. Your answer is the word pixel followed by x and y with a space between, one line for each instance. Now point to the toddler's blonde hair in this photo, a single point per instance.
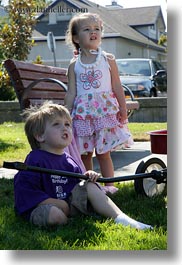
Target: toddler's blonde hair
pixel 36 118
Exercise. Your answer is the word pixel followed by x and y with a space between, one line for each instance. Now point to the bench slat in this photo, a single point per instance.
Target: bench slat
pixel 23 73
pixel 32 75
pixel 40 86
pixel 48 86
pixel 40 101
pixel 46 94
pixel 37 67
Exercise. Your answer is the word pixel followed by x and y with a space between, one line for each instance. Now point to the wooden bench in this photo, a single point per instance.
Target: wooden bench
pixel 35 83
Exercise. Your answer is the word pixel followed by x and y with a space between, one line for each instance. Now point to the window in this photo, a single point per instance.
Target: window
pixel 152 27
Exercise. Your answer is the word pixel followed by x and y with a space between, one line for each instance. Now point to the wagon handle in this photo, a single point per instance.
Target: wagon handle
pixel 22 166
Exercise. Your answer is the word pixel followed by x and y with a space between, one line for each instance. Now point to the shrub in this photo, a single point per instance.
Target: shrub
pixel 15 40
pixel 6 90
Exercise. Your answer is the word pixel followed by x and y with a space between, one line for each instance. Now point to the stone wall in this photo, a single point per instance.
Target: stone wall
pixel 151 110
pixel 10 111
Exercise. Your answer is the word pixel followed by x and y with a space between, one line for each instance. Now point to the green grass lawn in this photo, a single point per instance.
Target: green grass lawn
pixel 87 233
pixel 14 145
pixel 81 233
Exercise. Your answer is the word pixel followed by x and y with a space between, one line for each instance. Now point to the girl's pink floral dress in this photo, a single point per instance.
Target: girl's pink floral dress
pixel 95 107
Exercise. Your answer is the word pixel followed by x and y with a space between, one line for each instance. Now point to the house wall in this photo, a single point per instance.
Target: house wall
pixel 127 49
pixel 120 47
pixel 150 31
pixel 63 53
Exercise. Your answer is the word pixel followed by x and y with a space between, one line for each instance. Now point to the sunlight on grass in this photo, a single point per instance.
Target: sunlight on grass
pixel 13 142
pixel 14 145
pixel 81 233
pixel 140 130
pixel 87 232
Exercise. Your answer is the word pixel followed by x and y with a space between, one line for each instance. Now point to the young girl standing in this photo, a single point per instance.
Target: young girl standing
pixel 95 96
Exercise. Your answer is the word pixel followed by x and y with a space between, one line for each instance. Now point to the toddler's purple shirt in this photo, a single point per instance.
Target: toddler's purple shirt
pixel 31 188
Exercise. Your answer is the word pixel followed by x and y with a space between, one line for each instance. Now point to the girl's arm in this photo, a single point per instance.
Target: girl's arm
pixel 117 88
pixel 71 93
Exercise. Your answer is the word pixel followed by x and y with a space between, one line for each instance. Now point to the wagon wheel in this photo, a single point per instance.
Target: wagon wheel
pixel 149 186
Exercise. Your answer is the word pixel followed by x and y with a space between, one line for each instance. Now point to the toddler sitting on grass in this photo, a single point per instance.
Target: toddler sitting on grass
pixel 45 199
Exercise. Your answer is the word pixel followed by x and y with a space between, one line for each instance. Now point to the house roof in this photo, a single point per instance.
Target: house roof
pixel 139 16
pixel 58 30
pixel 117 22
pixel 61 26
pixel 72 3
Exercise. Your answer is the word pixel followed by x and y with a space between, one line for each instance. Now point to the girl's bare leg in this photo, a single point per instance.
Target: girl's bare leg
pixel 87 161
pixel 106 166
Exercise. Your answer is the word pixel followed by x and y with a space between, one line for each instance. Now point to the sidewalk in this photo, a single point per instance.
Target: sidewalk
pixel 125 161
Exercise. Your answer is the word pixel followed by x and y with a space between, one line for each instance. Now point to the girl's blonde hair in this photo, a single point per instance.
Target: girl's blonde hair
pixel 36 118
pixel 74 25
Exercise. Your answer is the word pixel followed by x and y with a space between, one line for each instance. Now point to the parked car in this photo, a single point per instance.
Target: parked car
pixel 144 77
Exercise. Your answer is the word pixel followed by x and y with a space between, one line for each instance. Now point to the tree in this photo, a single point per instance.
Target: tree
pixel 15 39
pixel 163 40
pixel 16 35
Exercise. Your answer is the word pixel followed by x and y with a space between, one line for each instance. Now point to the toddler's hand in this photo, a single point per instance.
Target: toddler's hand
pixel 93 176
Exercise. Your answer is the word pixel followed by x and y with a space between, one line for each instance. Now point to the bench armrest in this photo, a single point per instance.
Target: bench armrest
pixel 31 85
